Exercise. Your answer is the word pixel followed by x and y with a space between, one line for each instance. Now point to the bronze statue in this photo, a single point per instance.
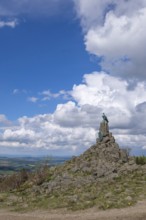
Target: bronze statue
pixel 105 117
pixel 103 130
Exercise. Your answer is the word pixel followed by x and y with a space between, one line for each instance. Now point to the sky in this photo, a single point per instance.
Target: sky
pixel 62 64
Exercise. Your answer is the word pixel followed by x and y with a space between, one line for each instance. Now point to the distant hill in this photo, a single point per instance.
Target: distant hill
pixel 10 164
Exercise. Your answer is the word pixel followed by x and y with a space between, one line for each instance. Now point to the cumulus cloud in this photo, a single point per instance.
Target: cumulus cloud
pixel 74 125
pixel 116 32
pixel 47 95
pixel 21 135
pixel 41 131
pixel 69 115
pixel 112 95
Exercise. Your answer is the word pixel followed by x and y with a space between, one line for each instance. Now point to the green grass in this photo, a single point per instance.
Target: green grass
pixel 121 192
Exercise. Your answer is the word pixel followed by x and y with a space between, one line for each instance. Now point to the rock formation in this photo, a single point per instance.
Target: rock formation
pixel 101 162
pixel 101 176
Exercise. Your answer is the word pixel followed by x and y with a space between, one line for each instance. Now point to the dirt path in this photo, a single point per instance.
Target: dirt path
pixel 137 212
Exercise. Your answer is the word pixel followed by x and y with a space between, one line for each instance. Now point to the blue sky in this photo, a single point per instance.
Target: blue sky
pixel 37 55
pixel 63 63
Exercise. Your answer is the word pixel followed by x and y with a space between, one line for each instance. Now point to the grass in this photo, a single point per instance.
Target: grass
pixel 121 192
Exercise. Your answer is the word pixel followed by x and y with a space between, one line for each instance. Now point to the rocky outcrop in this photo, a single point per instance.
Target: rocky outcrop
pixel 103 176
pixel 101 162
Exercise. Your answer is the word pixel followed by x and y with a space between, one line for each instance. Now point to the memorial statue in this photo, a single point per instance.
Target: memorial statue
pixel 104 117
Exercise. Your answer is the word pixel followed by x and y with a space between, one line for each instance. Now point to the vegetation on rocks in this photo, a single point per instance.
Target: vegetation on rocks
pixel 118 192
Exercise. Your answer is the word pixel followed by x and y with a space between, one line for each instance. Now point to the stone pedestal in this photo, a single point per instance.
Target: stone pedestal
pixel 104 129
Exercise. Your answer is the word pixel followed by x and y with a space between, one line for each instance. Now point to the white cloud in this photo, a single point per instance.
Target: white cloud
pixel 4 120
pixel 22 135
pixel 47 95
pixel 19 91
pixel 69 115
pixel 15 91
pixel 12 23
pixel 41 131
pixel 73 125
pixel 116 32
pixel 111 95
pixel 93 12
pixel 32 99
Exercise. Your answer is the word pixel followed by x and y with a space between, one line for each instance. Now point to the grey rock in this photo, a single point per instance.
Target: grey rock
pixel 123 156
pixel 131 161
pixel 106 139
pixel 87 169
pixel 104 129
pixel 112 139
pixel 45 185
pixel 72 199
pixel 75 169
pixel 129 198
pixel 108 195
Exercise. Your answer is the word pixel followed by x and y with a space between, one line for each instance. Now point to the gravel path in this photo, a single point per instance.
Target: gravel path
pixel 137 212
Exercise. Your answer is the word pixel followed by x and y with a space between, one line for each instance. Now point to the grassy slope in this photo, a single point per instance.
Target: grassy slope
pixel 120 192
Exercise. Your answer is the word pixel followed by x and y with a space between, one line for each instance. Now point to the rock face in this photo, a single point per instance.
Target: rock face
pixel 101 162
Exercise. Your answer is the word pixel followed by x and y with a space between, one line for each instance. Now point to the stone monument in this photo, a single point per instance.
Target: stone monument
pixel 104 128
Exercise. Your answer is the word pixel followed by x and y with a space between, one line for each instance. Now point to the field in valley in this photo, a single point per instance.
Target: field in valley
pixel 9 165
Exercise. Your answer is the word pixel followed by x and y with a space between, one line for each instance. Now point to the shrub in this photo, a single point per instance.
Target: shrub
pixel 13 181
pixel 127 150
pixel 141 160
pixel 41 174
pixel 16 180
